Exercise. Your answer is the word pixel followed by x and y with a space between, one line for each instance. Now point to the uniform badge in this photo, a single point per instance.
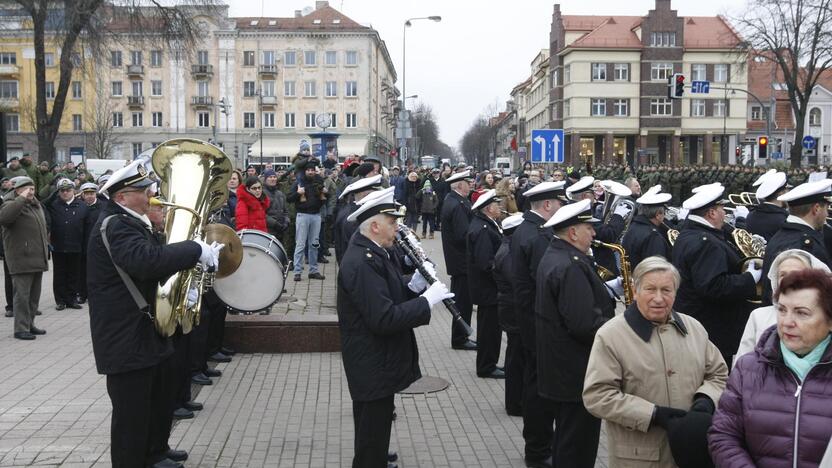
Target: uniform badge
pixel 369 255
pixel 807 242
pixel 704 238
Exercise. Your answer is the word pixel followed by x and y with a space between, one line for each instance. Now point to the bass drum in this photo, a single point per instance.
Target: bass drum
pixel 258 283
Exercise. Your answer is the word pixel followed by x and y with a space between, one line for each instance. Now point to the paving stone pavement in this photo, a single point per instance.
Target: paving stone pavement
pixel 270 410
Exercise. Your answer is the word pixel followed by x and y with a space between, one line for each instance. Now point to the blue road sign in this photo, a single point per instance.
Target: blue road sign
pixel 547 146
pixel 776 155
pixel 700 87
pixel 808 142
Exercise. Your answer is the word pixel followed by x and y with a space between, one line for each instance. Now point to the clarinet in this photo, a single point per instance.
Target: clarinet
pixel 412 252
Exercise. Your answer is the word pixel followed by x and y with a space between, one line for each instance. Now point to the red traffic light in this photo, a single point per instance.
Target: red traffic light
pixel 680 79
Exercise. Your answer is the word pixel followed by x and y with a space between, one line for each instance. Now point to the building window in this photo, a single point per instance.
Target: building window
pixel 331 88
pixel 333 120
pixel 310 120
pixel 289 88
pixel 155 58
pixel 814 117
pixel 310 58
pixel 8 89
pixel 663 39
pixel 117 91
pixel 267 88
pixel 567 107
pixel 203 120
pixel 77 123
pixel 721 73
pixel 661 106
pixel 76 90
pixel 138 119
pixel 331 57
pixel 248 58
pixel 248 119
pixel 202 57
pixel 599 72
pixel 202 88
pixel 268 119
pixel 138 88
pixel 136 57
pixel 8 58
pixel 12 123
pixel 50 90
pixel 697 108
pixel 248 89
pixel 156 117
pixel 352 89
pixel 49 59
pixel 661 71
pixel 118 119
pixel 352 120
pixel 567 74
pixel 268 57
pixel 719 108
pixel 698 72
pixel 352 57
pixel 757 113
pixel 621 72
pixel 156 88
pixel 290 58
pixel 289 120
pixel 555 78
pixel 137 149
pixel 599 107
pixel 309 89
pixel 115 58
pixel 621 107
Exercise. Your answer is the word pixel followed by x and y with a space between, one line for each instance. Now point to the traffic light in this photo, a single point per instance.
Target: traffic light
pixel 676 86
pixel 248 153
pixel 762 145
pixel 737 152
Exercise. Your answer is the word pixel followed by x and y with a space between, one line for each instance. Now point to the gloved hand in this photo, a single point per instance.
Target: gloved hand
pixel 683 214
pixel 193 296
pixel 755 271
pixel 622 210
pixel 436 293
pixel 210 256
pixel 740 212
pixel 703 404
pixel 662 415
pixel 417 283
pixel 430 268
pixel 615 287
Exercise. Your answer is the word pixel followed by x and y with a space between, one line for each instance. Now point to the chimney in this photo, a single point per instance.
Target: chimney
pixel 320 4
pixel 298 13
pixel 662 5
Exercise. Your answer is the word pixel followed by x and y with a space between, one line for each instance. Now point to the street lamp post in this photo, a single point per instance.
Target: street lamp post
pixel 407 24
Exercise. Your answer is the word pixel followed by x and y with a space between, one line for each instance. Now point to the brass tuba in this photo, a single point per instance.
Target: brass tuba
pixel 193 178
pixel 607 275
pixel 752 249
pixel 617 194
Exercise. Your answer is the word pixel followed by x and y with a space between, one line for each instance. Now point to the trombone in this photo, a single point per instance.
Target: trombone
pixel 743 199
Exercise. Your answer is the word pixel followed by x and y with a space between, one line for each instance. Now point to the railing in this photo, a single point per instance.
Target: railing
pixel 202 69
pixel 135 100
pixel 268 69
pixel 268 100
pixel 135 69
pixel 202 101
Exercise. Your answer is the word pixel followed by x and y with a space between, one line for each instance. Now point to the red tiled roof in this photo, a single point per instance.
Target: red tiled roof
pixel 324 18
pixel 614 32
pixel 760 74
pixel 709 32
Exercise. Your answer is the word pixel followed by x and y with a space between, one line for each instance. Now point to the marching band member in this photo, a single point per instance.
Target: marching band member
pixel 514 361
pixel 377 312
pixel 645 237
pixel 126 263
pixel 768 217
pixel 571 305
pixel 713 289
pixel 342 229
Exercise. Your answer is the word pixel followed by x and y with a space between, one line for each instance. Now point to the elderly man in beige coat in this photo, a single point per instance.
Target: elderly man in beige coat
pixel 654 377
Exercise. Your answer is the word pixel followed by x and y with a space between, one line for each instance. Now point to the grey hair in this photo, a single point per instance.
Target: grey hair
pixel 364 227
pixel 652 265
pixel 650 211
pixel 807 259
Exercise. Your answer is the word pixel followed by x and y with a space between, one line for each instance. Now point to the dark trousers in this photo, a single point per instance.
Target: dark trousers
pixel 488 339
pixel 66 275
pixel 576 436
pixel 197 351
pixel 142 416
pixel 412 220
pixel 538 415
pixel 515 365
pixel 180 375
pixel 428 219
pixel 217 312
pixel 373 421
pixel 9 288
pixel 82 276
pixel 459 286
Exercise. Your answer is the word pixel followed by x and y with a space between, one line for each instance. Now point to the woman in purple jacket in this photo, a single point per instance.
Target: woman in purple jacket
pixel 775 411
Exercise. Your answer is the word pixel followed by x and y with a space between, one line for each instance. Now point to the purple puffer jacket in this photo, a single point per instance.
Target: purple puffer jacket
pixel 763 409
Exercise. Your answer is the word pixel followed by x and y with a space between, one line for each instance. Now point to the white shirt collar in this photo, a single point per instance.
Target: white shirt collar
pixel 140 217
pixel 794 219
pixel 701 220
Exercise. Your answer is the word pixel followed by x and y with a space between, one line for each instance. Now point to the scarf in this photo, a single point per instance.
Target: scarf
pixel 802 365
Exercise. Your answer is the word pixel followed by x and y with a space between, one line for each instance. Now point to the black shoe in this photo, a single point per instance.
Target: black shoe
pixel 514 411
pixel 167 463
pixel 227 351
pixel 316 276
pixel 182 413
pixel 9 313
pixel 297 276
pixel 219 357
pixel 60 306
pixel 467 346
pixel 177 455
pixel 37 331
pixel 37 312
pixel 210 372
pixel 201 379
pixel 392 456
pixel 193 406
pixel 74 306
pixel 495 374
pixel 24 336
pixel 322 259
pixel 327 253
pixel 547 463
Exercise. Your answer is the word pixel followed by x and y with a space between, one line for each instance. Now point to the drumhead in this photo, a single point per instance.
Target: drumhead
pixel 257 284
pixel 268 242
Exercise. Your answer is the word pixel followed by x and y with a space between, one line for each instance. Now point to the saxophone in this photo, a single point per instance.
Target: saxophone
pixel 607 275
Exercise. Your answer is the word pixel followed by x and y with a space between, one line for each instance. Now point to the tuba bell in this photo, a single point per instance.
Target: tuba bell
pixel 193 178
pixel 616 195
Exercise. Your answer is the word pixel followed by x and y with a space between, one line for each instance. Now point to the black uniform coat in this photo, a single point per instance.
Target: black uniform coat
pixel 377 314
pixel 792 236
pixel 505 291
pixel 123 337
pixel 571 305
pixel 611 234
pixel 528 244
pixel 66 223
pixel 342 230
pixel 456 215
pixel 713 290
pixel 644 239
pixel 765 220
pixel 483 240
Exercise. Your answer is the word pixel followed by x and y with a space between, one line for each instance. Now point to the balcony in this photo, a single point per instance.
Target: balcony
pixel 9 103
pixel 268 101
pixel 268 69
pixel 202 71
pixel 9 70
pixel 135 101
pixel 135 70
pixel 202 101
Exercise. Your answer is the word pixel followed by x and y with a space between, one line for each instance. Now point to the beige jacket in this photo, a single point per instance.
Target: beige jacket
pixel 627 377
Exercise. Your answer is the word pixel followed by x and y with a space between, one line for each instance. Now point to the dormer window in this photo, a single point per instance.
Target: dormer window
pixel 254 22
pixel 317 21
pixel 336 21
pixel 272 22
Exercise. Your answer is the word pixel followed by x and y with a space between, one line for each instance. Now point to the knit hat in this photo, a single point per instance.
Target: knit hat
pixel 268 173
pixel 251 180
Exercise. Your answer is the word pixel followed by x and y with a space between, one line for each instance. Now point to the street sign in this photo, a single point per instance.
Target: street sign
pixel 547 146
pixel 700 87
pixel 808 142
pixel 776 155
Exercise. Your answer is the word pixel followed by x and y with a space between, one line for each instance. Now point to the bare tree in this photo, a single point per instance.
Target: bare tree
pixel 76 26
pixel 427 129
pixel 100 121
pixel 476 143
pixel 796 35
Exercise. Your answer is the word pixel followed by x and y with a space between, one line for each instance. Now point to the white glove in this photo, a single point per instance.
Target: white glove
pixel 418 283
pixel 193 296
pixel 759 239
pixel 683 214
pixel 756 272
pixel 615 287
pixel 436 293
pixel 740 212
pixel 210 256
pixel 622 210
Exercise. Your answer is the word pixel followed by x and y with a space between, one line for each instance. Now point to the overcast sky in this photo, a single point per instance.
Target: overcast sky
pixel 480 50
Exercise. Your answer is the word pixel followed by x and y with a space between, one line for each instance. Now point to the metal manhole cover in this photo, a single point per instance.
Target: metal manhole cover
pixel 427 384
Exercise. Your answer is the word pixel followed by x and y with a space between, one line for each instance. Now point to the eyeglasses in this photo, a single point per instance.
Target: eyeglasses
pixel 256 187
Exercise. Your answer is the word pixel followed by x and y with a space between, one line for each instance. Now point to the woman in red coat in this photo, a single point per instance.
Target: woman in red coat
pixel 251 205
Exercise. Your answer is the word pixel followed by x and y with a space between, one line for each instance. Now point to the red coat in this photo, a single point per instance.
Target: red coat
pixel 251 212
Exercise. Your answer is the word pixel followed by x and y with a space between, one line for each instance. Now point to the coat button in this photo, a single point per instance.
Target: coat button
pixel 670 372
